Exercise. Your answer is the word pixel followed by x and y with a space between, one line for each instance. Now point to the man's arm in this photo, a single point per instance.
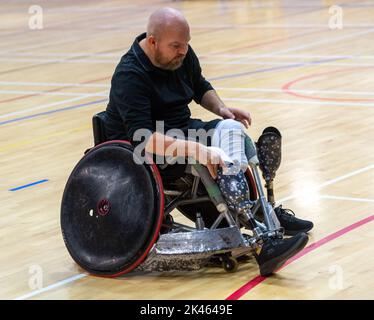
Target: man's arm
pixel 164 145
pixel 212 102
pixel 207 97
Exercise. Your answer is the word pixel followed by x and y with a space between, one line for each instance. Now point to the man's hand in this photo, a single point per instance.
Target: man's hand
pixel 237 114
pixel 210 158
pixel 212 102
pixel 165 145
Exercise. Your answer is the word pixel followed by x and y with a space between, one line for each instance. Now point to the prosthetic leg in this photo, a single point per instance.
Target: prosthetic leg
pixel 233 185
pixel 269 155
pixel 271 249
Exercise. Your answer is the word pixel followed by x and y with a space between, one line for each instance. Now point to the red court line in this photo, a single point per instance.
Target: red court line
pixel 259 44
pixel 257 280
pixel 287 86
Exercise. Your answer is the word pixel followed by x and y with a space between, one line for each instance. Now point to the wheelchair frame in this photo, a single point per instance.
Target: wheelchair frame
pixel 183 247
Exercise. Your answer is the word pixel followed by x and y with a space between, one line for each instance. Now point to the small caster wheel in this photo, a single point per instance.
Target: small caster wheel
pixel 167 224
pixel 230 264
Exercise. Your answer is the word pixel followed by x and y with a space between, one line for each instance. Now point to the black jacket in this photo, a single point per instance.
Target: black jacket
pixel 141 93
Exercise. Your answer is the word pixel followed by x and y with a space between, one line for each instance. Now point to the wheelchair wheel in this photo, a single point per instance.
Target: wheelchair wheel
pixel 111 210
pixel 208 210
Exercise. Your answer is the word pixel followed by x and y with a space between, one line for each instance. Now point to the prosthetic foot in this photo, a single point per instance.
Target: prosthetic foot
pixel 269 152
pixel 235 191
pixel 271 251
pixel 269 155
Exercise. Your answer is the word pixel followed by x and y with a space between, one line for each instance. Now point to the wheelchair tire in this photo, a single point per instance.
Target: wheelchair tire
pixel 112 210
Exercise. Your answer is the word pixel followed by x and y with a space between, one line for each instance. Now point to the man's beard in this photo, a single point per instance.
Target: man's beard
pixel 168 65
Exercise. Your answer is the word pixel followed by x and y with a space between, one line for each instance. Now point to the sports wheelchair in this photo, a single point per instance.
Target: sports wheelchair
pixel 116 214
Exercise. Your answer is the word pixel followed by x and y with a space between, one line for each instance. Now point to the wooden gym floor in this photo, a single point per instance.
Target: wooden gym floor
pixel 277 59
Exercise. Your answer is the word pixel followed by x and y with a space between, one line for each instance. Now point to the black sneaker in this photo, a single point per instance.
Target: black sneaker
pixel 290 223
pixel 275 252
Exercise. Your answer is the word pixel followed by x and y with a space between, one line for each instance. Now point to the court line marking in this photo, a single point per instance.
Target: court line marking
pixel 59 88
pixel 259 279
pixel 234 5
pixel 328 183
pixel 301 102
pixel 83 35
pixel 130 25
pixel 319 42
pixel 238 89
pixel 78 275
pixel 281 26
pixel 324 41
pixel 282 56
pixel 271 69
pixel 59 54
pixel 28 185
pixel 53 111
pixel 21 143
pixel 365 32
pixel 309 5
pixel 44 106
pixel 268 69
pixel 200 55
pixel 288 86
pixel 246 100
pixel 282 16
pixel 52 286
pixel 306 63
pixel 217 78
pixel 76 55
pixel 346 198
pixel 310 91
pixel 308 45
pixel 239 62
pixel 55 84
pixel 82 275
pixel 46 93
pixel 64 60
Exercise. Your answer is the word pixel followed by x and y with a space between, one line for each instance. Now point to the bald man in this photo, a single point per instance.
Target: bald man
pixel 155 81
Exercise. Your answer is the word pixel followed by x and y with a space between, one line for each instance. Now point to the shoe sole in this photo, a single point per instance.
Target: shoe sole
pixel 271 266
pixel 295 232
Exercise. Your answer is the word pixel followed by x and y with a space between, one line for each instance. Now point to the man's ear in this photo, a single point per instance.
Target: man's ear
pixel 151 41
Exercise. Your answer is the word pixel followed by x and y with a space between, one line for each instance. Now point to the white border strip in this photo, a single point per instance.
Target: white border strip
pixel 46 93
pixel 257 90
pixel 241 62
pixel 54 84
pixel 52 286
pixel 302 102
pixel 327 42
pixel 94 94
pixel 44 106
pixel 330 182
pixel 346 198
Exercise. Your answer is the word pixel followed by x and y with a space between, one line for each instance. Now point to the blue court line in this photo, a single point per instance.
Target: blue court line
pixel 52 111
pixel 296 65
pixel 28 185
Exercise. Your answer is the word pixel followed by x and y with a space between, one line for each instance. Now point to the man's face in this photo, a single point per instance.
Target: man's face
pixel 171 49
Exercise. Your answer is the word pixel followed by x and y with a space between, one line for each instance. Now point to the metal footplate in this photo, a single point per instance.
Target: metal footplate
pixel 192 250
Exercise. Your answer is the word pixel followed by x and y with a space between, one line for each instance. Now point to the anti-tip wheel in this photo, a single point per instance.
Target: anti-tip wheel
pixel 230 264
